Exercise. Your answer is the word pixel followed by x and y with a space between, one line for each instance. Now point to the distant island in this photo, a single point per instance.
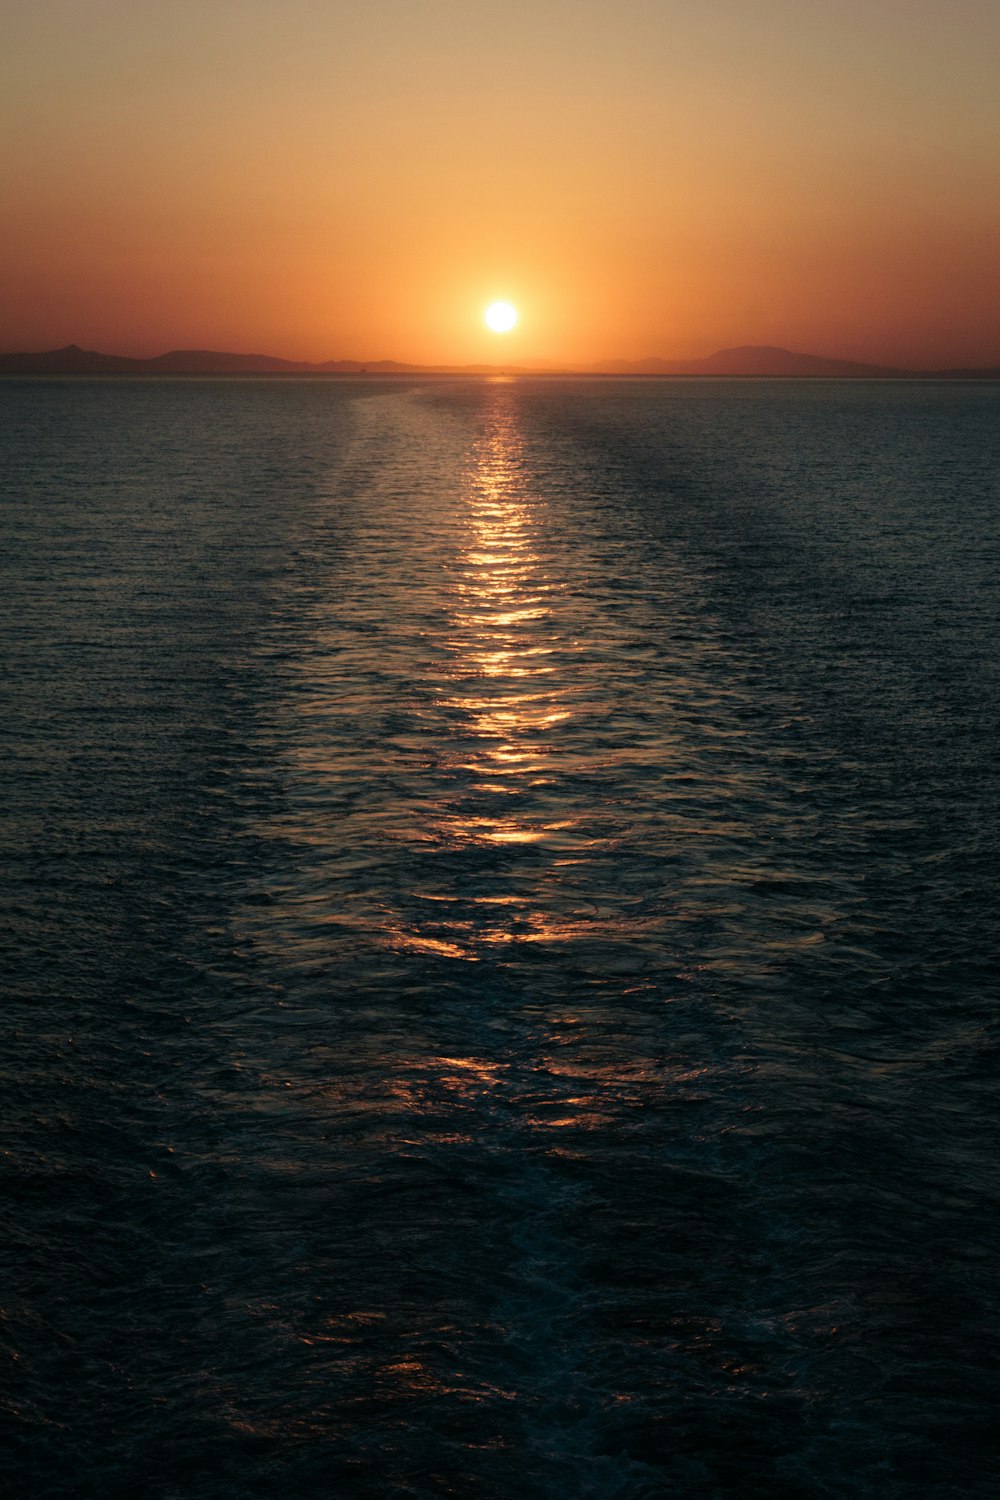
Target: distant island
pixel 761 360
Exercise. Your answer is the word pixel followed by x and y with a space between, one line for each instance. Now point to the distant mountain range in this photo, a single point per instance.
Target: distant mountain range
pixel 749 359
pixel 76 361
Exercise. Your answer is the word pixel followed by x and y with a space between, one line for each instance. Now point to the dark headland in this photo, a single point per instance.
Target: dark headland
pixel 747 360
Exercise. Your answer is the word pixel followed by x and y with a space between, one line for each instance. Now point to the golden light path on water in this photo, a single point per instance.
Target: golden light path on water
pixel 532 778
pixel 509 736
pixel 502 691
pixel 543 852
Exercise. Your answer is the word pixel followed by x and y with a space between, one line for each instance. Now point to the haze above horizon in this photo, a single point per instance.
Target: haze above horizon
pixel 663 178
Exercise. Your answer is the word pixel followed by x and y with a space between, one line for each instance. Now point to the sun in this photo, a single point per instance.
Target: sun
pixel 500 316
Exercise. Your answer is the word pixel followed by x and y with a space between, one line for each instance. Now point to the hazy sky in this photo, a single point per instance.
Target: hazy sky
pixel 358 178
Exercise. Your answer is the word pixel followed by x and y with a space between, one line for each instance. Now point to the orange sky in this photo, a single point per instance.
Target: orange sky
pixel 358 178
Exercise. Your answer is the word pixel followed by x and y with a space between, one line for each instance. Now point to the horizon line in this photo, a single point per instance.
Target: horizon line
pixel 745 360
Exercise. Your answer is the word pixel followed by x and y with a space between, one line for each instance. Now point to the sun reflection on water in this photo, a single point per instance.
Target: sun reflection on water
pixel 504 600
pixel 503 697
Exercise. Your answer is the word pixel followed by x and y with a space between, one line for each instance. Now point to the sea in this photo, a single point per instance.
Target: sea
pixel 500 938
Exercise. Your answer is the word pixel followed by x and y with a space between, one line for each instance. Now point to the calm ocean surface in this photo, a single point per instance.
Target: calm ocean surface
pixel 500 931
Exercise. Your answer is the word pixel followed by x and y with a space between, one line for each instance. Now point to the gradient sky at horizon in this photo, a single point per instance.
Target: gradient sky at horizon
pixel 321 180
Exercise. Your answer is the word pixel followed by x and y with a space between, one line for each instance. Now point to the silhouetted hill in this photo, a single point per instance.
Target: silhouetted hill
pixel 211 362
pixel 747 360
pixel 76 361
pixel 69 361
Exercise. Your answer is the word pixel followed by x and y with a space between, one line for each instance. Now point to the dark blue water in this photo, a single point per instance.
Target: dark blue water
pixel 499 897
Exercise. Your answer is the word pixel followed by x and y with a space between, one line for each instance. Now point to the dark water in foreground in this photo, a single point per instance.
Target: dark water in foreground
pixel 500 901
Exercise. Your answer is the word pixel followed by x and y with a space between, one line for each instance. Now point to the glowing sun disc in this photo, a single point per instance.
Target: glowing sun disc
pixel 500 316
